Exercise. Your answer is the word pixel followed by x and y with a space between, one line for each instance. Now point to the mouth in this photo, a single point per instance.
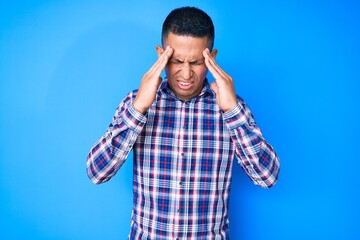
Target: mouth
pixel 185 85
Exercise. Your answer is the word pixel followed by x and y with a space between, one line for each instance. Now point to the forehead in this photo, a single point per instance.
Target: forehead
pixel 186 46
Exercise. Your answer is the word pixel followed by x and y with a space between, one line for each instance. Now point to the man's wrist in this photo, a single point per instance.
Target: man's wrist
pixel 227 109
pixel 134 119
pixel 138 108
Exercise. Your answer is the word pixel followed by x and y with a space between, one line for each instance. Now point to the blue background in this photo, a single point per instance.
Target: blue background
pixel 65 66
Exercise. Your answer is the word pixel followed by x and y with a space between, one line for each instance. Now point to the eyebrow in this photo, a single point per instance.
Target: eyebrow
pixel 194 61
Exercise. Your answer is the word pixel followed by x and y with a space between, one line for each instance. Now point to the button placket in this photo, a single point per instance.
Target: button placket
pixel 181 126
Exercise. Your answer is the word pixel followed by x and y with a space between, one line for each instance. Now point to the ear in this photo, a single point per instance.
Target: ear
pixel 159 50
pixel 214 53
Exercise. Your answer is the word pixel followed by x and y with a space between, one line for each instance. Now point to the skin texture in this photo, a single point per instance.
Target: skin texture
pixel 186 61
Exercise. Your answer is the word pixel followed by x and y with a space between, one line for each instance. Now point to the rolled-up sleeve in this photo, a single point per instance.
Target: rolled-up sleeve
pixel 111 150
pixel 254 154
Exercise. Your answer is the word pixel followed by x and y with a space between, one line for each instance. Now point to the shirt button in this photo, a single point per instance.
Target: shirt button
pixel 180 183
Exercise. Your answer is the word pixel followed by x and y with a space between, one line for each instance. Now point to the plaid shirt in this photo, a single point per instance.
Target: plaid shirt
pixel 183 155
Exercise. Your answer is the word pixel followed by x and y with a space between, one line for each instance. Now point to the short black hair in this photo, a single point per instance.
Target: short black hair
pixel 189 21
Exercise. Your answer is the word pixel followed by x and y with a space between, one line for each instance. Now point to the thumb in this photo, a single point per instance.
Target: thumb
pixel 214 87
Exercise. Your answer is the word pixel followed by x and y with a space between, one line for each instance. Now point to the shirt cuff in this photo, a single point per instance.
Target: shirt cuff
pixel 133 119
pixel 236 118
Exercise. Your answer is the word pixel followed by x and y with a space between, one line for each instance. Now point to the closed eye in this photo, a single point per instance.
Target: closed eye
pixel 176 61
pixel 196 63
pixel 193 63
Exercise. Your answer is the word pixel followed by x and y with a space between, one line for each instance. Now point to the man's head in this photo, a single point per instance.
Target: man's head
pixel 189 31
pixel 189 21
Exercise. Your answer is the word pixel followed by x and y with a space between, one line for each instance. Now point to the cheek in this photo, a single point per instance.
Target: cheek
pixel 170 70
pixel 201 72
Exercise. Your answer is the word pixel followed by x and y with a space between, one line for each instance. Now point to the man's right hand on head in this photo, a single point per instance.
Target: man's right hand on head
pixel 151 81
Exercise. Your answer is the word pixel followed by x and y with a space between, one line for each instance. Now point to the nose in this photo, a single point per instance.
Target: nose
pixel 186 70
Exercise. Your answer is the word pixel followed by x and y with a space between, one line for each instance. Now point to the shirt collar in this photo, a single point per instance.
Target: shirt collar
pixel 166 92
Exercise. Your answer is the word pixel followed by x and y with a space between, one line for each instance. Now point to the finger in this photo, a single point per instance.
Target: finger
pixel 161 59
pixel 214 68
pixel 211 67
pixel 160 64
pixel 215 65
pixel 166 56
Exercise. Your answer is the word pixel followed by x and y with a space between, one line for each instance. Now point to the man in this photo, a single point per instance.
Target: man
pixel 185 134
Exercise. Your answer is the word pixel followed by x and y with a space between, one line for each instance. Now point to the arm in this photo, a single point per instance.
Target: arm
pixel 112 149
pixel 254 154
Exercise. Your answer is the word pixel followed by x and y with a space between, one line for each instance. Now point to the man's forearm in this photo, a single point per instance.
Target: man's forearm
pixel 112 149
pixel 254 154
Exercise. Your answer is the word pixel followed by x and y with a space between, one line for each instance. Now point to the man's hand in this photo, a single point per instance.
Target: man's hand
pixel 150 82
pixel 223 86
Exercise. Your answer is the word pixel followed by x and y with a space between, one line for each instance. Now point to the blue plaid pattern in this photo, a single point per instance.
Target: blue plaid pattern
pixel 183 155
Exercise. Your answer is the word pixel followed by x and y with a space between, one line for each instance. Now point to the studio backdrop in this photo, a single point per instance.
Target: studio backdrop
pixel 66 65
